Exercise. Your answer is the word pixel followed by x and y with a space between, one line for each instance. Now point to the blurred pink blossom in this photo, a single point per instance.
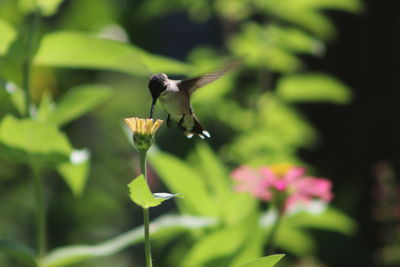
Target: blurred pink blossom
pixel 282 180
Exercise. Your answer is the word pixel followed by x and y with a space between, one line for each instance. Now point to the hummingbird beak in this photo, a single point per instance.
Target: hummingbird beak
pixel 152 107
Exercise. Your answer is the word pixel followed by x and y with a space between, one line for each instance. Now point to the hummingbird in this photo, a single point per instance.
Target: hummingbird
pixel 175 96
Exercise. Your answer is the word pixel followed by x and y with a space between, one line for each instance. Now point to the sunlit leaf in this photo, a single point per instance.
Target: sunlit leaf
pixel 46 7
pixel 268 261
pixel 75 172
pixel 65 256
pixel 80 50
pixel 253 247
pixel 77 101
pixel 45 108
pixel 294 241
pixel 213 170
pixel 17 96
pixel 140 193
pixel 18 251
pixel 8 34
pixel 217 245
pixel 232 207
pixel 26 140
pixel 330 219
pixel 313 88
pixel 344 5
pixel 178 176
pixel 262 50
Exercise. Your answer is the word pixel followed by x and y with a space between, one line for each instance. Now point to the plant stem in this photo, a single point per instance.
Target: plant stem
pixel 27 64
pixel 272 235
pixel 147 237
pixel 143 167
pixel 40 211
pixel 143 163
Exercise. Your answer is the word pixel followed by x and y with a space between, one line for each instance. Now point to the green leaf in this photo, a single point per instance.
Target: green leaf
pixel 77 101
pixel 213 170
pixel 295 241
pixel 313 88
pixel 8 34
pixel 179 176
pixel 263 50
pixel 45 108
pixel 268 261
pixel 80 50
pixel 22 253
pixel 25 140
pixel 140 193
pixel 232 207
pixel 220 244
pixel 46 7
pixel 17 96
pixel 76 172
pixel 331 219
pixel 69 255
pixel 344 5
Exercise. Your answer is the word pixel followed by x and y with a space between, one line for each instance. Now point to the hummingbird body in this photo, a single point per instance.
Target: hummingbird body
pixel 177 104
pixel 175 95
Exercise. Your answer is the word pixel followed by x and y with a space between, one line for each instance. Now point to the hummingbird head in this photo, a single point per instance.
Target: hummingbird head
pixel 157 85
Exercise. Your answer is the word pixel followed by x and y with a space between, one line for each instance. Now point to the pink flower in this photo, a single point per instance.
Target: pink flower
pixel 282 181
pixel 252 181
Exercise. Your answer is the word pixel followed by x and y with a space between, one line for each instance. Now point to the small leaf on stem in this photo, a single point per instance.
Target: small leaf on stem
pixel 140 193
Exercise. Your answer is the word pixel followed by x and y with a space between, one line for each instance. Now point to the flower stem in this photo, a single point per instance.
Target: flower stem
pixel 147 237
pixel 143 163
pixel 40 211
pixel 272 235
pixel 143 167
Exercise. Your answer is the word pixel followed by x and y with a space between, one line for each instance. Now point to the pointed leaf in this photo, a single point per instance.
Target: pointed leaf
pixel 269 261
pixel 313 88
pixel 8 34
pixel 223 243
pixel 77 101
pixel 46 7
pixel 17 96
pixel 179 176
pixel 45 108
pixel 80 50
pixel 140 193
pixel 331 220
pixel 76 172
pixel 26 139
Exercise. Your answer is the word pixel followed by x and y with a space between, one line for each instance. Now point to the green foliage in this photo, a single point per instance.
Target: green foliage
pixel 330 219
pixel 18 251
pixel 313 88
pixel 66 256
pixel 269 261
pixel 46 7
pixel 140 193
pixel 75 172
pixel 90 52
pixel 76 102
pixel 8 34
pixel 259 124
pixel 180 177
pixel 27 140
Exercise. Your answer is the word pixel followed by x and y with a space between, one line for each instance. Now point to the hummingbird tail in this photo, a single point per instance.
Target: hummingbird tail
pixel 199 130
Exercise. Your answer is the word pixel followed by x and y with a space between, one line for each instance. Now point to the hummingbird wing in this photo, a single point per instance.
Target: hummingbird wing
pixel 191 85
